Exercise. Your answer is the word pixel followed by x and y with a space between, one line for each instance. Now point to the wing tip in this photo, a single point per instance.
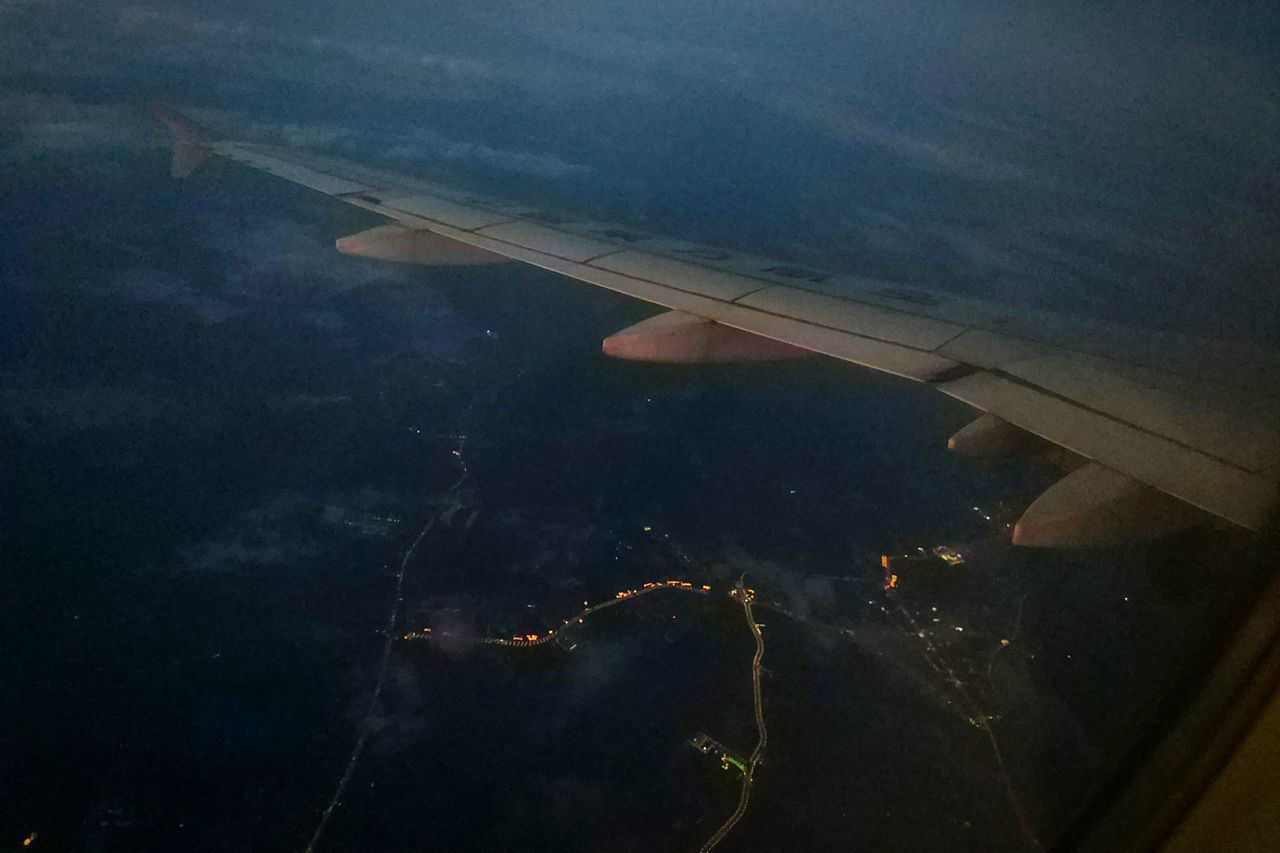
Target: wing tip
pixel 190 139
pixel 183 128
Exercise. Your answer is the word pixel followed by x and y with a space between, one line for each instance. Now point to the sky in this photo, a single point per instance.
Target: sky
pixel 1112 160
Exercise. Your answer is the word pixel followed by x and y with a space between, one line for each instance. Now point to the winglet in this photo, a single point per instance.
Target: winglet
pixel 190 140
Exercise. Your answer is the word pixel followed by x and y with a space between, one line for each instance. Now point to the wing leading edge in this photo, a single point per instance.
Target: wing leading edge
pixel 1160 416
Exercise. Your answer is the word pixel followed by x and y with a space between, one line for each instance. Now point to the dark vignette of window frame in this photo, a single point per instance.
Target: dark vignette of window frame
pixel 1200 724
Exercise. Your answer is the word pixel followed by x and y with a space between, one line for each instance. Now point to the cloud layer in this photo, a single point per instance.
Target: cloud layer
pixel 1097 160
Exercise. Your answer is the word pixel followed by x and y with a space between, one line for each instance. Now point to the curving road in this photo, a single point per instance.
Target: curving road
pixel 744 597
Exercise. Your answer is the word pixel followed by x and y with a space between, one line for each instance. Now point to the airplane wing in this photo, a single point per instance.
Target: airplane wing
pixel 1162 428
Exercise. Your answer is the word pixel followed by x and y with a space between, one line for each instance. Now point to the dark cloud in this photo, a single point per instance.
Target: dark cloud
pixel 1096 160
pixel 396 721
pixel 39 123
pixel 32 403
pixel 272 534
pixel 156 286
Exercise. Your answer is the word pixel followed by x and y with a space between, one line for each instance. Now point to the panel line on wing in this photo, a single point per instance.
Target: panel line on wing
pixel 1186 473
pixel 1084 407
pixel 734 301
pixel 1019 333
pixel 693 261
pixel 1032 369
pixel 594 258
pixel 765 283
pixel 964 330
pixel 754 292
pixel 919 365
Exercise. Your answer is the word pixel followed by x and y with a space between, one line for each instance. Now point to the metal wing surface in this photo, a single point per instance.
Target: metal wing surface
pixel 1195 420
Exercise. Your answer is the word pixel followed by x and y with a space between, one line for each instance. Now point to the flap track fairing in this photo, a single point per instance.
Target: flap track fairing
pixel 679 338
pixel 990 436
pixel 1096 507
pixel 402 245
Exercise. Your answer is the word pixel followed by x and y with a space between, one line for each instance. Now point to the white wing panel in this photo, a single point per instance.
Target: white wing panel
pixel 1248 368
pixel 549 240
pixel 886 357
pixel 893 326
pixel 880 355
pixel 937 305
pixel 1135 401
pixel 292 171
pixel 1214 486
pixel 991 349
pixel 446 212
pixel 1236 365
pixel 678 274
pixel 1197 421
pixel 387 183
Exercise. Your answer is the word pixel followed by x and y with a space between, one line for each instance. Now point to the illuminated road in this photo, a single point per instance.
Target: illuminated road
pixel 397 602
pixel 529 640
pixel 393 616
pixel 740 594
pixel 744 597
